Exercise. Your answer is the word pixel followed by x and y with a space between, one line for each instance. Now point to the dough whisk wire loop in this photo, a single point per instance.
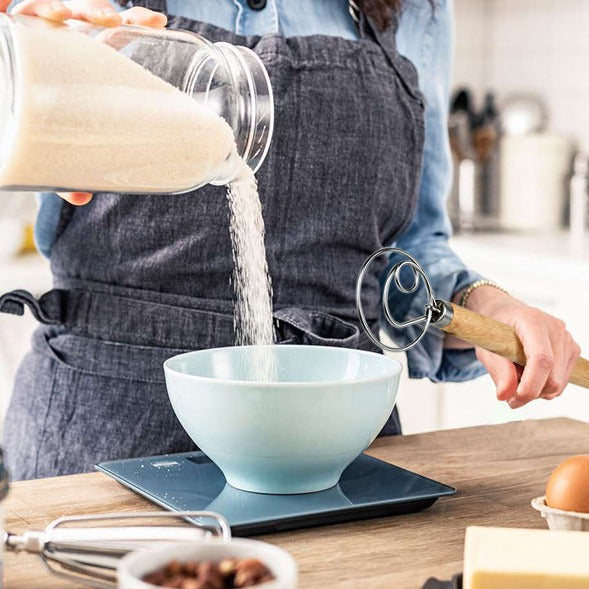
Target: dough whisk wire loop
pixel 478 330
pixel 433 308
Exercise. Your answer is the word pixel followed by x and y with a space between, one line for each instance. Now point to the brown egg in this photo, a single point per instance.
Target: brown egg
pixel 568 485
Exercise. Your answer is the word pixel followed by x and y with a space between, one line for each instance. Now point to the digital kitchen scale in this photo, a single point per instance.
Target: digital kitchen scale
pixel 190 481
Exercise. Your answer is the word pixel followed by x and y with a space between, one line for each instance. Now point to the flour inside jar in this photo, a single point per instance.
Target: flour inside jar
pixel 89 118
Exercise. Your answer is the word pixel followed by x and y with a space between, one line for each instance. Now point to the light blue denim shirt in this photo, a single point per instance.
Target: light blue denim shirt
pixel 425 36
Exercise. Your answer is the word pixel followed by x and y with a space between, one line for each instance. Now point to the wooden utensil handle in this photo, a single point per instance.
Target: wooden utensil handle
pixel 500 339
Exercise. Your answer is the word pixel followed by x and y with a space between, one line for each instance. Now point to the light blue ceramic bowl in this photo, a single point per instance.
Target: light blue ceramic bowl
pixel 296 434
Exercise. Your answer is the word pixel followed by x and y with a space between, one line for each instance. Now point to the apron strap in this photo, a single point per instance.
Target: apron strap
pixel 157 5
pixel 386 40
pixel 155 324
pixel 368 30
pixel 366 26
pixel 146 322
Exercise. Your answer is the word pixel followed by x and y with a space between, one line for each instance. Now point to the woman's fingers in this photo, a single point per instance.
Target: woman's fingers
pixel 48 9
pixel 98 12
pixel 540 356
pixel 144 17
pixel 76 198
pixel 503 372
pixel 566 354
pixel 551 353
pixel 505 375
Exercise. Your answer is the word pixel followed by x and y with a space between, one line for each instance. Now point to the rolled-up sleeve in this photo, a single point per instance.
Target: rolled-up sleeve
pixel 425 36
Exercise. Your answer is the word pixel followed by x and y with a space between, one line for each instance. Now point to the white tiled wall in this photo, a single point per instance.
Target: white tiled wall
pixel 540 46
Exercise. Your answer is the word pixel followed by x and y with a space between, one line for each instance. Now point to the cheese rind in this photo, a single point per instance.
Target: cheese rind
pixel 512 558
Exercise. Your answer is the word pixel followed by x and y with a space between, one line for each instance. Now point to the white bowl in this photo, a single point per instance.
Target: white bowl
pixel 560 519
pixel 133 567
pixel 295 433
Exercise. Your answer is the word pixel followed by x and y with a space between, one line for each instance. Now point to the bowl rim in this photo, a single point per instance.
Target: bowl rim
pixel 128 561
pixel 396 369
pixel 539 504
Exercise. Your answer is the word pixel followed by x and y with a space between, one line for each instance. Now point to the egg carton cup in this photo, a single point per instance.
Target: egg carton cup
pixel 560 519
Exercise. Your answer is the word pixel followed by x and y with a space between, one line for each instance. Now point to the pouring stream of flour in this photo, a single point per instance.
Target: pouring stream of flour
pixel 78 114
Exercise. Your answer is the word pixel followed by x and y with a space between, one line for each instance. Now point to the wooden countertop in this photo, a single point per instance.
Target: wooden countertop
pixel 497 470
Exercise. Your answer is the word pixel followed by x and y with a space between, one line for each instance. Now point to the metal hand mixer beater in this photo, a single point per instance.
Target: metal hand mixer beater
pixel 471 327
pixel 85 550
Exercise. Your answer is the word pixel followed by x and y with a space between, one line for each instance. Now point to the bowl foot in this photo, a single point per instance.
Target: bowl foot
pixel 282 487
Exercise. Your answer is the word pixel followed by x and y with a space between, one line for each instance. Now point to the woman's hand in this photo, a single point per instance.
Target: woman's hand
pixel 550 350
pixel 98 12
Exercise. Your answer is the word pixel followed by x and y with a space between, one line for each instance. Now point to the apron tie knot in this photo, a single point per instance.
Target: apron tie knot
pixel 46 310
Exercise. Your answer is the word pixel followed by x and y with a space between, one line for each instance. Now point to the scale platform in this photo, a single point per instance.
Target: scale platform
pixel 190 481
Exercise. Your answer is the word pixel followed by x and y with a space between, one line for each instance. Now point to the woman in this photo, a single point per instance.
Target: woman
pixel 352 167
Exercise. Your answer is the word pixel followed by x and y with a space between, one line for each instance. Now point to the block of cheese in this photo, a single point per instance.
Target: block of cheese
pixel 512 558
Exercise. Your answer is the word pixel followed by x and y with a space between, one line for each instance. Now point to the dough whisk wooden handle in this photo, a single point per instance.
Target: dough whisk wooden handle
pixel 498 338
pixel 406 276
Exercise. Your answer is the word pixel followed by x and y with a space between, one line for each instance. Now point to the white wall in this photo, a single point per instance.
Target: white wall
pixel 470 55
pixel 540 46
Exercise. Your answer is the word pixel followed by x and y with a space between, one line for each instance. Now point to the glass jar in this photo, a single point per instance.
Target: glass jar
pixel 126 109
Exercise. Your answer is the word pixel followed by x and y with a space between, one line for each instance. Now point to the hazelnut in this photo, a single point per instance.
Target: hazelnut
pixel 249 572
pixel 228 574
pixel 173 568
pixel 227 567
pixel 191 568
pixel 208 572
pixel 156 578
pixel 173 582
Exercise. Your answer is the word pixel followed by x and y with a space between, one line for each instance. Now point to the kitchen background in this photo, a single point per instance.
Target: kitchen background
pixel 537 46
pixel 511 211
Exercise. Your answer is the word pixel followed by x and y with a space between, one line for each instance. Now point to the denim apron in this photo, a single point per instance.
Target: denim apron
pixel 138 279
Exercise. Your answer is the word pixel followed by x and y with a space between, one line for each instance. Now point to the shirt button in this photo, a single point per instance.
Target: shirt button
pixel 257 4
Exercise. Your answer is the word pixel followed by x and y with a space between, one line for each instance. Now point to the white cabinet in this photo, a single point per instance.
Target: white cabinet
pixel 542 271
